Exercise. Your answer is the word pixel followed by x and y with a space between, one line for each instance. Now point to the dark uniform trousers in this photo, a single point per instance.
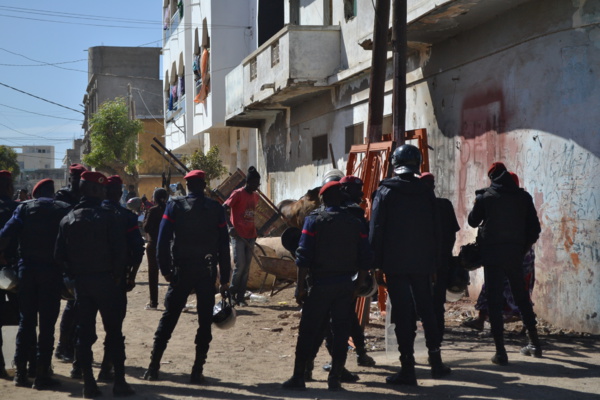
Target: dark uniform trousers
pixel 99 292
pixel 185 280
pixel 325 301
pixel 494 284
pixel 439 296
pixel 356 332
pixel 68 326
pixel 39 291
pixel 406 292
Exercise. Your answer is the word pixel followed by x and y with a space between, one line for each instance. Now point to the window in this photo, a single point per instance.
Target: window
pixel 349 9
pixel 253 70
pixel 275 54
pixel 386 125
pixel 354 135
pixel 319 147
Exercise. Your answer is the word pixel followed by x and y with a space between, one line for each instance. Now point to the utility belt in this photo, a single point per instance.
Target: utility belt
pixel 205 267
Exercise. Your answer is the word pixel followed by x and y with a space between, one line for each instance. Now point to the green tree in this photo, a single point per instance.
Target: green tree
pixel 210 163
pixel 113 137
pixel 8 161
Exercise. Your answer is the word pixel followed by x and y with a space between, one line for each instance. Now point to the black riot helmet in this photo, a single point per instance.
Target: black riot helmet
pixel 406 159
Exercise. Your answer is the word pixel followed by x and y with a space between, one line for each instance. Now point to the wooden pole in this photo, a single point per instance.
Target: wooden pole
pixel 399 83
pixel 378 68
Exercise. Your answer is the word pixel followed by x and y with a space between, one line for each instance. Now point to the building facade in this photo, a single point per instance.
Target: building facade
pixel 131 73
pixel 490 80
pixel 202 42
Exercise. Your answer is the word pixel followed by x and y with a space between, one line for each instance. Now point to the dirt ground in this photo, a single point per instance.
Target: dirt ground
pixel 251 360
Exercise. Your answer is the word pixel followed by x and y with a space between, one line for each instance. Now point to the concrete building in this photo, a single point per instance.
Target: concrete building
pixel 507 80
pixel 132 73
pixel 35 157
pixel 202 42
pixel 36 163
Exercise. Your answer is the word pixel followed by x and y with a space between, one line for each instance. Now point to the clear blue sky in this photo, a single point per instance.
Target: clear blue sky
pixel 43 51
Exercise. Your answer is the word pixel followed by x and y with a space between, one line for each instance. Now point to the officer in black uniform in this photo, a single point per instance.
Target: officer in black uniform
pixel 135 253
pixel 196 227
pixel 91 246
pixel 65 350
pixel 449 226
pixel 404 234
pixel 35 224
pixel 7 208
pixel 333 247
pixel 508 226
pixel 352 193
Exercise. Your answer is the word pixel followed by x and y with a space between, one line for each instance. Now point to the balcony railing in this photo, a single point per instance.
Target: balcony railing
pixel 297 60
pixel 172 27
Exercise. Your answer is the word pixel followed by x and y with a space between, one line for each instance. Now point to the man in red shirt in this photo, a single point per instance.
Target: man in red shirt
pixel 241 206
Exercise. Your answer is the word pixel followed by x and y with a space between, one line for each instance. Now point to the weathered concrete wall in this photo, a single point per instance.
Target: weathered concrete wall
pixel 523 89
pixel 520 88
pixel 153 163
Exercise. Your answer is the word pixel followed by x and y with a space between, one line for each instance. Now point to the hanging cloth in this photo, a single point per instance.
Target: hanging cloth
pixel 205 88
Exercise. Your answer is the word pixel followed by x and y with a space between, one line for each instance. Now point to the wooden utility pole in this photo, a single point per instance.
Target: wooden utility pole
pixel 378 67
pixel 399 84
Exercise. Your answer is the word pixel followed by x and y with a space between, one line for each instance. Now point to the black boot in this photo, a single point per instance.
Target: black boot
pixel 534 347
pixel 296 382
pixel 32 363
pixel 90 388
pixel 407 375
pixel 21 379
pixel 43 380
pixel 334 382
pixel 121 388
pixel 500 358
pixel 196 376
pixel 64 351
pixel 76 372
pixel 310 366
pixel 438 368
pixel 3 373
pixel 151 373
pixel 106 373
pixel 348 377
pixel 363 359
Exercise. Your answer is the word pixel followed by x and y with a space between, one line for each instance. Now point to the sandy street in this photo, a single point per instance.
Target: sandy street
pixel 251 360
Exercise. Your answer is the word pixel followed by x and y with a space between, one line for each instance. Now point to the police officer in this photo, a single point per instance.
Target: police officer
pixel 196 227
pixel 333 247
pixel 135 253
pixel 508 226
pixel 91 246
pixel 35 224
pixel 449 226
pixel 351 190
pixel 7 208
pixel 66 340
pixel 405 239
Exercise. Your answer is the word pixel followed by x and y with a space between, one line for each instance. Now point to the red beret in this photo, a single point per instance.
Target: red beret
pixel 351 179
pixel 40 184
pixel 195 174
pixel 5 174
pixel 77 169
pixel 114 180
pixel 496 167
pixel 514 177
pixel 95 177
pixel 427 175
pixel 328 186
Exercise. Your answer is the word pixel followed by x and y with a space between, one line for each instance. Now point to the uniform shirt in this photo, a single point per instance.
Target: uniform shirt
pixel 243 205
pixel 36 232
pixel 166 235
pixel 306 255
pixel 135 242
